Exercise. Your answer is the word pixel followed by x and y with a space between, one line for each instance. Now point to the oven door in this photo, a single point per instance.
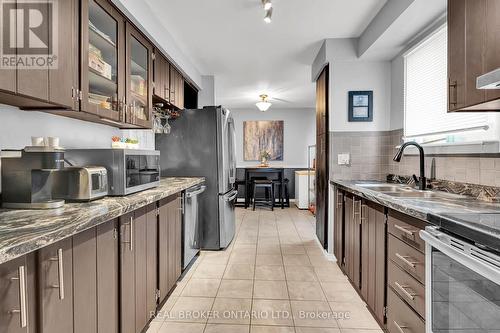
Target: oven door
pixel 462 285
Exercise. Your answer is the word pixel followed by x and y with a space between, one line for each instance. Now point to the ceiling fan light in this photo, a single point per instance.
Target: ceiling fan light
pixel 269 14
pixel 263 105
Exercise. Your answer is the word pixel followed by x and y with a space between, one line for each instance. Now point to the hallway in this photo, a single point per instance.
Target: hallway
pixel 273 278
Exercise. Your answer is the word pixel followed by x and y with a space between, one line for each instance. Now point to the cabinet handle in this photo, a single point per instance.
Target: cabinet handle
pixel 131 234
pixel 21 277
pixel 410 233
pixel 454 85
pixel 406 260
pixel 411 295
pixel 339 200
pixel 60 273
pixel 400 328
pixel 362 216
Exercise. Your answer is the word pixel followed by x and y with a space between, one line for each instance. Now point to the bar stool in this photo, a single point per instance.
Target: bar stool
pixel 237 184
pixel 287 194
pixel 268 186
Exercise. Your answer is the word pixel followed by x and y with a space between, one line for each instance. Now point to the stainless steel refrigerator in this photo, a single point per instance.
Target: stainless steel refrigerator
pixel 201 143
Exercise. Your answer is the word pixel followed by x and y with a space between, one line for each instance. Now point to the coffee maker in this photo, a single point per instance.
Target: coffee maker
pixel 28 176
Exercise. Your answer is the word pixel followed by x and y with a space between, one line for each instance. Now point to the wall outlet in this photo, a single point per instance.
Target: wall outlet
pixel 344 159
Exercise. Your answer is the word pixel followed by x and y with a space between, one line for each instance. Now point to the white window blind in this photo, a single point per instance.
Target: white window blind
pixel 426 91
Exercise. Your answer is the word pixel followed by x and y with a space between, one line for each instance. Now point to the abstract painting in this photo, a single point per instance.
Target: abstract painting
pixel 260 136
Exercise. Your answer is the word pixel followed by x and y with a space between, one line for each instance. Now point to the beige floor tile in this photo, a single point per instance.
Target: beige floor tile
pixel 313 314
pixel 244 251
pixel 314 250
pixel 340 292
pixel 231 311
pixel 269 273
pixel 191 309
pixel 241 258
pixel 268 249
pixel 224 328
pixel 239 272
pixel 244 246
pixel 296 260
pixel 305 290
pixel 154 326
pixel 178 288
pixel 300 273
pixel 359 316
pixel 209 271
pixel 330 273
pixel 356 330
pixel 293 249
pixel 319 260
pixel 316 330
pixel 269 259
pixel 270 290
pixel 272 329
pixel 201 288
pixel 173 327
pixel 235 289
pixel 272 312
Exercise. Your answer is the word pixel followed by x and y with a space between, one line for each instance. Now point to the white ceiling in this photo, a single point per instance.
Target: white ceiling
pixel 229 39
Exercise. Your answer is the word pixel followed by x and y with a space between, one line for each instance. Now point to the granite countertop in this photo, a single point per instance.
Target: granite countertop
pixel 25 231
pixel 476 220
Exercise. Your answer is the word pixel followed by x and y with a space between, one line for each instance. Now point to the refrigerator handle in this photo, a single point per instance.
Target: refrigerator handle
pixel 232 140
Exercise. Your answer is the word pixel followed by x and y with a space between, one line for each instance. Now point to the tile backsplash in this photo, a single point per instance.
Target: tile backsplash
pixel 372 153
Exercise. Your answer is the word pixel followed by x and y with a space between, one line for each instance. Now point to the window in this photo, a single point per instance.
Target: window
pixel 426 118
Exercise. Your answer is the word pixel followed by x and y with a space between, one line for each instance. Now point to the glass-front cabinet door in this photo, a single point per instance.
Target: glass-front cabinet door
pixel 139 79
pixel 103 65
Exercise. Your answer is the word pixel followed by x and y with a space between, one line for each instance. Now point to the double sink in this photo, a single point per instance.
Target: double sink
pixel 405 191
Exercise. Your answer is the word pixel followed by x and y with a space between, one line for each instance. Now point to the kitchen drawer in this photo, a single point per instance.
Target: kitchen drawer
pixel 407 257
pixel 409 289
pixel 400 317
pixel 407 229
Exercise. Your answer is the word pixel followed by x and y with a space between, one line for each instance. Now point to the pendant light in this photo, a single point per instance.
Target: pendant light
pixel 263 105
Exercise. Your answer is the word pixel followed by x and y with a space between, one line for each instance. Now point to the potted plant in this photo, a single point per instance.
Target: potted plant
pixel 264 158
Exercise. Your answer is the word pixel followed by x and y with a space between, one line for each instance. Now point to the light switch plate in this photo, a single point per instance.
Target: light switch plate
pixel 343 159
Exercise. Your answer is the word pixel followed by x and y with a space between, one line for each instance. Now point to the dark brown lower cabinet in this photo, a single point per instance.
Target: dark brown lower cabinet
pixel 17 295
pixel 338 227
pixel 373 258
pixel 137 295
pixel 169 259
pixel 55 288
pixel 353 239
pixel 400 317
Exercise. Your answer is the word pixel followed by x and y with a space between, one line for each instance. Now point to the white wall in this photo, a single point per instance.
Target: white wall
pixel 299 133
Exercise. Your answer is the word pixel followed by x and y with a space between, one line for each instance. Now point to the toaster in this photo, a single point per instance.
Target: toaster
pixel 80 183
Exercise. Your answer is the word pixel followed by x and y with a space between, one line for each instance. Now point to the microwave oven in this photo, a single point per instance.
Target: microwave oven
pixel 129 170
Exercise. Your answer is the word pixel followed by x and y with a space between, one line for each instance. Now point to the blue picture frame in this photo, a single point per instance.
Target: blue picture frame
pixel 360 106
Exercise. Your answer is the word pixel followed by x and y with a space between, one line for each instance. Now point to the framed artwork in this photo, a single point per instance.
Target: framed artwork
pixel 360 106
pixel 263 136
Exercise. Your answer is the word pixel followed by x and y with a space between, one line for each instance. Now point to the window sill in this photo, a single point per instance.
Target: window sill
pixel 458 148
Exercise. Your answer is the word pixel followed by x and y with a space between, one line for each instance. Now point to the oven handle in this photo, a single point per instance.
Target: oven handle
pixel 432 238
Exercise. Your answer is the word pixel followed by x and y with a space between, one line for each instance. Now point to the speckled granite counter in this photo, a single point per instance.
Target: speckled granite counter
pixel 476 220
pixel 24 231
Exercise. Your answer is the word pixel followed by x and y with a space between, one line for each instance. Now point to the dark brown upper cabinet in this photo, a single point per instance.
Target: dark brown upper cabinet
pixel 139 78
pixel 161 77
pixel 176 88
pixel 102 60
pixel 473 48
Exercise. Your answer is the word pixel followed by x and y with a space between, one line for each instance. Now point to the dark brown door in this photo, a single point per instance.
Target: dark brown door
pixel 174 234
pixel 161 76
pixel 492 60
pixel 373 259
pixel 35 82
pixel 56 287
pixel 151 260
pixel 356 242
pixel 322 158
pixel 166 73
pixel 17 288
pixel 107 277
pixel 102 60
pixel 347 261
pixel 140 253
pixel 63 80
pixel 456 54
pixel 127 274
pixel 84 281
pixel 163 245
pixel 139 78
pixel 338 228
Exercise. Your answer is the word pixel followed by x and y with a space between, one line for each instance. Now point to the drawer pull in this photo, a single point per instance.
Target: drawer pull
pixel 400 328
pixel 22 297
pixel 410 233
pixel 407 260
pixel 404 289
pixel 60 270
pixel 130 242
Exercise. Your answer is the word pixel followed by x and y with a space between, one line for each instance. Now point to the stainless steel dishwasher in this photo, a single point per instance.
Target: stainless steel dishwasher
pixel 190 224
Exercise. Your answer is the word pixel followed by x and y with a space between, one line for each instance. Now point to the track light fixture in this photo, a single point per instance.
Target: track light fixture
pixel 269 14
pixel 267 4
